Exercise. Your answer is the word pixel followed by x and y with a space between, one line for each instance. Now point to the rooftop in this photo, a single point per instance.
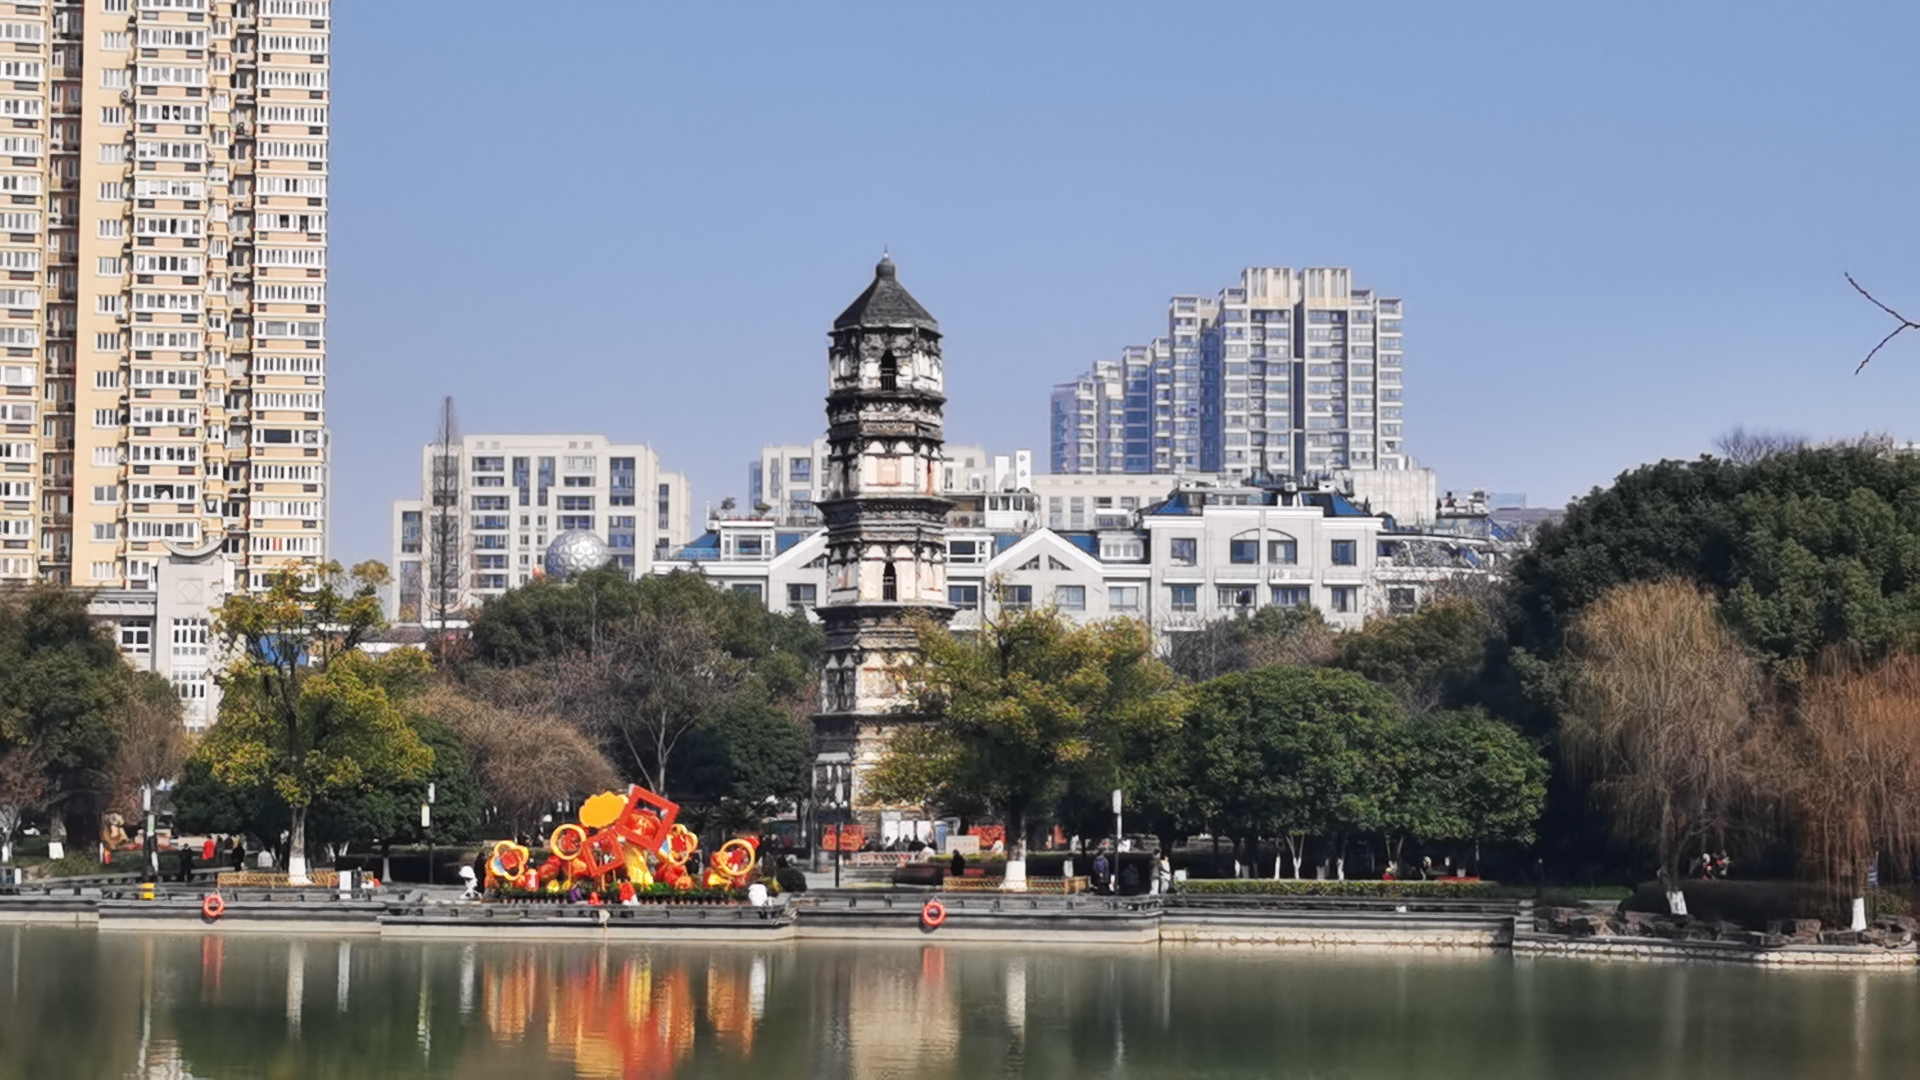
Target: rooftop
pixel 886 303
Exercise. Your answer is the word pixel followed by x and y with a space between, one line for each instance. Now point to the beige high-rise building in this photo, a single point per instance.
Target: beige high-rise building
pixel 163 237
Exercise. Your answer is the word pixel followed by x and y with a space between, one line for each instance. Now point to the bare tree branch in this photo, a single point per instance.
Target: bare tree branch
pixel 1905 323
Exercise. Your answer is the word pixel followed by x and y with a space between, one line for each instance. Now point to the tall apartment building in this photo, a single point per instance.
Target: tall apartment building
pixel 1087 430
pixel 500 500
pixel 163 239
pixel 1289 373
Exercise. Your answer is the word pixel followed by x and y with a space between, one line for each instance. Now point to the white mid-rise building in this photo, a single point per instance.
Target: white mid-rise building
pixel 484 525
pixel 1190 552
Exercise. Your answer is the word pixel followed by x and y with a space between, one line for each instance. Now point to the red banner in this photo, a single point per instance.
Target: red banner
pixel 843 837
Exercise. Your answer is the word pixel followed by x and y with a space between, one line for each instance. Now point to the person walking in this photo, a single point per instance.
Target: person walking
pixel 1100 868
pixel 186 864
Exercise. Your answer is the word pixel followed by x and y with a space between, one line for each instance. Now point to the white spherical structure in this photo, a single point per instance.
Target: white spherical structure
pixel 575 551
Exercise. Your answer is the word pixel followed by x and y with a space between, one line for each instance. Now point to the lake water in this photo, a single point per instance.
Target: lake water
pixel 76 1003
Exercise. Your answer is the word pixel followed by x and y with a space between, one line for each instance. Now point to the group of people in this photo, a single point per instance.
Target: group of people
pixel 1710 867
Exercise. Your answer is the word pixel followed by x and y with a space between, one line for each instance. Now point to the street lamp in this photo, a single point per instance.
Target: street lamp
pixel 426 826
pixel 832 793
pixel 150 843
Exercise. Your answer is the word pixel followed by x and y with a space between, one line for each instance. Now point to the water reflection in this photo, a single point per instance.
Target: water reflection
pixel 79 1003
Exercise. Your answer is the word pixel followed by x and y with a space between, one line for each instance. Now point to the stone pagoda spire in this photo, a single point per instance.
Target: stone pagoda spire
pixel 886 520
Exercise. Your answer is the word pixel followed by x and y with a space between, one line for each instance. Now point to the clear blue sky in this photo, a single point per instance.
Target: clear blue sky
pixel 1619 228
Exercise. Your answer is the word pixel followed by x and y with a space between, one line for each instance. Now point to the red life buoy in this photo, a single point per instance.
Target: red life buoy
pixel 933 914
pixel 213 906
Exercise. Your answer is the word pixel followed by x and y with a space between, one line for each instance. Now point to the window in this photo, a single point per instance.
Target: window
pixel 750 588
pixel 1291 596
pixel 1283 552
pixel 889 583
pixel 1016 597
pixel 1185 597
pixel 1237 597
pixel 1070 597
pixel 1184 551
pixel 136 638
pixel 1345 553
pixel 1123 598
pixel 1402 600
pixel 1243 551
pixel 801 597
pixel 1346 599
pixel 1122 548
pixel 964 597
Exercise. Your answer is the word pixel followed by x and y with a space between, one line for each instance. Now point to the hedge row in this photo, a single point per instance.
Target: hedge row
pixel 1378 889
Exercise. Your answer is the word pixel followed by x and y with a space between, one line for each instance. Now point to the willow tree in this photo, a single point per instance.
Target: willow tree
pixel 1851 771
pixel 1663 717
pixel 305 711
pixel 1023 711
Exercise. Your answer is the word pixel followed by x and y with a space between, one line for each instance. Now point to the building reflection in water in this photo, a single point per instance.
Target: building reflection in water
pixel 901 1016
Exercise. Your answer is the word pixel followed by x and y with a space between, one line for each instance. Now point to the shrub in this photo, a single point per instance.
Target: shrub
pixel 1751 904
pixel 1887 904
pixel 1385 890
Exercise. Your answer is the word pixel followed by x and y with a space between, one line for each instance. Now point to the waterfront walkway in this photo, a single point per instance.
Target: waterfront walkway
pixel 868 914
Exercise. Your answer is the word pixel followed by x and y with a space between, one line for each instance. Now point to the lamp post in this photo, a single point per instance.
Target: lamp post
pixel 426 826
pixel 151 843
pixel 832 786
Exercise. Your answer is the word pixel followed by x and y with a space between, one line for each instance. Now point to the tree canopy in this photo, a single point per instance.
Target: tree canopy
pixel 1024 711
pixel 303 710
pixel 65 694
pixel 1804 549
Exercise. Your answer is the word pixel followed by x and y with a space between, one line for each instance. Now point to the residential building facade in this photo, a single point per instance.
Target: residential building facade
pixel 1194 553
pixel 166 627
pixel 164 244
pixel 502 499
pixel 1087 422
pixel 1291 372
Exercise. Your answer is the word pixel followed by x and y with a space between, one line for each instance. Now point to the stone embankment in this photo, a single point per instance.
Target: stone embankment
pixel 1636 935
pixel 1210 921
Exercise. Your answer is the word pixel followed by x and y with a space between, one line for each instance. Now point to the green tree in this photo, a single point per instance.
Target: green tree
pixel 1024 710
pixel 63 688
pixel 304 711
pixel 1804 549
pixel 1463 776
pixel 1291 753
pixel 743 765
pixel 1427 659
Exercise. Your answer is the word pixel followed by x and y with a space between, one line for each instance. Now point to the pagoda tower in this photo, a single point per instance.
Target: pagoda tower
pixel 886 520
